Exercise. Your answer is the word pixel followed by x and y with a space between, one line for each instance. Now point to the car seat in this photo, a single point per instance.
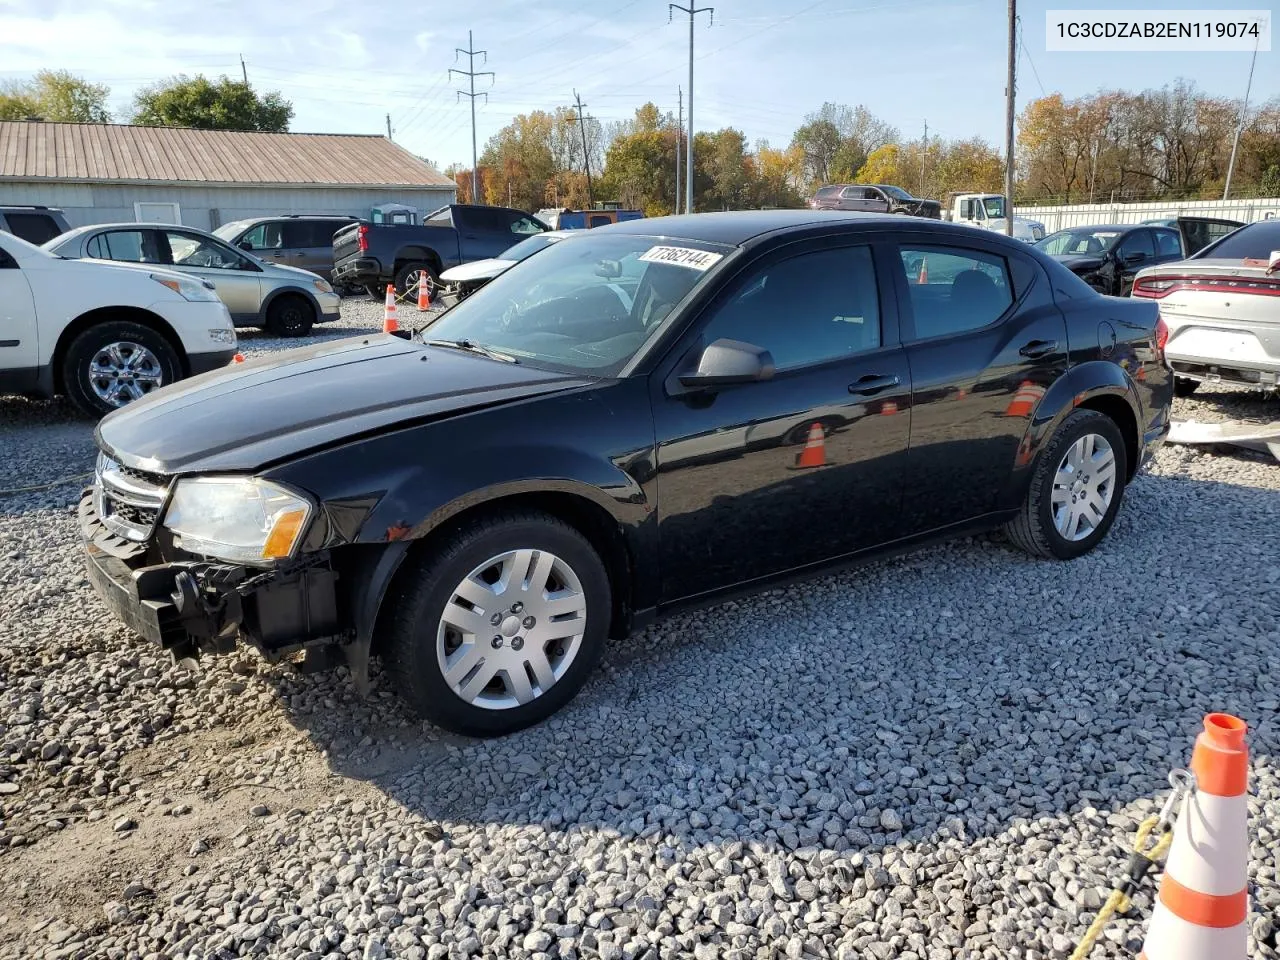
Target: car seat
pixel 976 300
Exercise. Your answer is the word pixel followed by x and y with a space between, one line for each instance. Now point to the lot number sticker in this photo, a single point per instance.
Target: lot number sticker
pixel 699 260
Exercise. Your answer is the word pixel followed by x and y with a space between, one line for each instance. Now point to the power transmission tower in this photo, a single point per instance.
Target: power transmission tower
pixel 692 11
pixel 471 74
pixel 679 137
pixel 586 154
pixel 1009 100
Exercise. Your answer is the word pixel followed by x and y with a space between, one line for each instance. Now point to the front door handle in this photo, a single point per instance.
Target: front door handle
pixel 1038 349
pixel 868 385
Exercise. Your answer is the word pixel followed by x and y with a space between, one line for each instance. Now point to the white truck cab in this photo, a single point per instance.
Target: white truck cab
pixel 987 211
pixel 103 333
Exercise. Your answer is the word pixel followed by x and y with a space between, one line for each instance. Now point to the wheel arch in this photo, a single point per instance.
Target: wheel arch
pixel 279 292
pixel 92 318
pixel 414 254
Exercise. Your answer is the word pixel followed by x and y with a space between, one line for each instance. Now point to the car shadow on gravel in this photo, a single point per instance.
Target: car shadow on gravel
pixel 955 692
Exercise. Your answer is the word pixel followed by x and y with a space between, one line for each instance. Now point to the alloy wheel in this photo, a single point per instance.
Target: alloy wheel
pixel 1083 487
pixel 124 371
pixel 511 629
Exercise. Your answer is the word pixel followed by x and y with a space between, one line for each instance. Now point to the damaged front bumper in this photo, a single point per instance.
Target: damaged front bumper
pixel 194 606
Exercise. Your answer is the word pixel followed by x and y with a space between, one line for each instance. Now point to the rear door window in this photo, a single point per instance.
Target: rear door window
pixel 127 246
pixel 1168 243
pixel 955 289
pixel 37 228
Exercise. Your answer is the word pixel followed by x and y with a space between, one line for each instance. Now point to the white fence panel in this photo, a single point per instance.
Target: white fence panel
pixel 1087 214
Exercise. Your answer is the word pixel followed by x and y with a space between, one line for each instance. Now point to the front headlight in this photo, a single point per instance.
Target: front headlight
pixel 240 519
pixel 322 285
pixel 192 290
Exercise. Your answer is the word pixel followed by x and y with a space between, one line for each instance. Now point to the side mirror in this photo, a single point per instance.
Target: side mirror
pixel 245 245
pixel 609 269
pixel 730 361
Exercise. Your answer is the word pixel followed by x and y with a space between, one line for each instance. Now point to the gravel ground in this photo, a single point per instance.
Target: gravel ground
pixel 939 756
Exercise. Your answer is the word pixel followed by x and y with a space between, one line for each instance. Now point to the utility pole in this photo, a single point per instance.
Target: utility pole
pixel 1244 112
pixel 692 11
pixel 244 71
pixel 679 137
pixel 924 157
pixel 388 126
pixel 1009 99
pixel 586 154
pixel 471 74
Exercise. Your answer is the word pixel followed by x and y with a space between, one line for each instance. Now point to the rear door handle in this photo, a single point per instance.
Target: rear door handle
pixel 872 383
pixel 1037 349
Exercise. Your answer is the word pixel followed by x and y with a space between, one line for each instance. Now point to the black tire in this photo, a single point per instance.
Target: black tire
pixel 1185 386
pixel 76 379
pixel 375 291
pixel 290 315
pixel 427 583
pixel 407 277
pixel 1033 529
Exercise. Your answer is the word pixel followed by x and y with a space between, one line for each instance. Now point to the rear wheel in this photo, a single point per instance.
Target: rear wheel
pixel 112 364
pixel 498 627
pixel 1076 488
pixel 290 316
pixel 1185 386
pixel 408 278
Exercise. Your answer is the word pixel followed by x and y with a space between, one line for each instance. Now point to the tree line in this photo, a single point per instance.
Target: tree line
pixel 1171 143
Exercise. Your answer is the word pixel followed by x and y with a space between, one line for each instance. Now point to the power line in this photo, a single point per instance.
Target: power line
pixel 471 74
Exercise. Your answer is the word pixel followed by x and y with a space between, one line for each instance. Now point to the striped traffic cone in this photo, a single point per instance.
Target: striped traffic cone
pixel 424 291
pixel 1025 400
pixel 814 453
pixel 1202 909
pixel 389 324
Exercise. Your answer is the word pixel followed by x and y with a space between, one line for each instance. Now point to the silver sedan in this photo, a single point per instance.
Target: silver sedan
pixel 284 300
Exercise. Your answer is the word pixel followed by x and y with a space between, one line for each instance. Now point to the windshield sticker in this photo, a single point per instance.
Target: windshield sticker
pixel 699 260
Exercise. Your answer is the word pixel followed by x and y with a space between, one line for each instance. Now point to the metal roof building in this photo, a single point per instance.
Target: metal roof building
pixel 103 172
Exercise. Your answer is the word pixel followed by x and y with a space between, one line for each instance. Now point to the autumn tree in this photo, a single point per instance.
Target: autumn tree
pixel 207 105
pixel 56 96
pixel 640 167
pixel 837 139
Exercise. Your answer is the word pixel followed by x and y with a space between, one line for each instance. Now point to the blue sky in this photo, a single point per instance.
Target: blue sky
pixel 761 67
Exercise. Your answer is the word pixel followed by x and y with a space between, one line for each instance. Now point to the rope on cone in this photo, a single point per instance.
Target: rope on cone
pixel 1141 860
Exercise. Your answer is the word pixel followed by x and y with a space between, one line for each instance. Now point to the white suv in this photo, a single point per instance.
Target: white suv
pixel 103 334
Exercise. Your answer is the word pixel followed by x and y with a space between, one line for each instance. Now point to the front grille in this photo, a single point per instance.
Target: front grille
pixel 128 500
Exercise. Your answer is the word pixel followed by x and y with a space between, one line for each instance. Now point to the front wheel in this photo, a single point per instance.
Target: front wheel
pixel 410 275
pixel 290 316
pixel 114 363
pixel 1076 487
pixel 499 626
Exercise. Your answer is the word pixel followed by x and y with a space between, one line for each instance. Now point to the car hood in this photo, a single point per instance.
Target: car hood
pixel 476 270
pixel 252 414
pixel 280 271
pixel 1078 262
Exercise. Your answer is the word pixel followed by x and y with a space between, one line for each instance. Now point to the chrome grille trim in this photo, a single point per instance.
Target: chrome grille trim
pixel 128 503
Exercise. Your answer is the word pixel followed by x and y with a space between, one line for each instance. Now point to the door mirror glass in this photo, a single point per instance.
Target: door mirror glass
pixel 730 361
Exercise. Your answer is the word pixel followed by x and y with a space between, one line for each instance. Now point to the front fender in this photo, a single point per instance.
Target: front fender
pixel 1083 382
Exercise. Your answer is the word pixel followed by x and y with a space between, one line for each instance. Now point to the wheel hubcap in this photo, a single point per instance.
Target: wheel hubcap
pixel 124 371
pixel 511 629
pixel 1083 487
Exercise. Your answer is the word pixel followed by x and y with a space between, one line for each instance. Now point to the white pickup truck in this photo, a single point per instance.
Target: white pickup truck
pixel 987 211
pixel 103 333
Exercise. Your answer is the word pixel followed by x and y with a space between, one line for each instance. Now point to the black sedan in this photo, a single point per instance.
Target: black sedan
pixel 657 414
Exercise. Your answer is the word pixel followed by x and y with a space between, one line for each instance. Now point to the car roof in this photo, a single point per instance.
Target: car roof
pixel 135 225
pixel 1106 226
pixel 740 226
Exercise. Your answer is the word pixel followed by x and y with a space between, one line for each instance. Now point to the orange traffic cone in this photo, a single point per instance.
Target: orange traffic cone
pixel 424 291
pixel 888 408
pixel 814 453
pixel 1203 904
pixel 924 271
pixel 389 324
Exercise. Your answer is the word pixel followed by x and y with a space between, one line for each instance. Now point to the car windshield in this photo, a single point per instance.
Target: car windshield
pixel 1084 242
pixel 1254 242
pixel 585 305
pixel 994 206
pixel 527 248
pixel 897 193
pixel 229 231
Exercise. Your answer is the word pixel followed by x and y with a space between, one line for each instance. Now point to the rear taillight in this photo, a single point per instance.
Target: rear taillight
pixel 1155 287
pixel 362 237
pixel 1162 334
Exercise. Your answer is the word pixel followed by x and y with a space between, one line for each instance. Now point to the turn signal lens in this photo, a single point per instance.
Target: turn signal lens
pixel 284 534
